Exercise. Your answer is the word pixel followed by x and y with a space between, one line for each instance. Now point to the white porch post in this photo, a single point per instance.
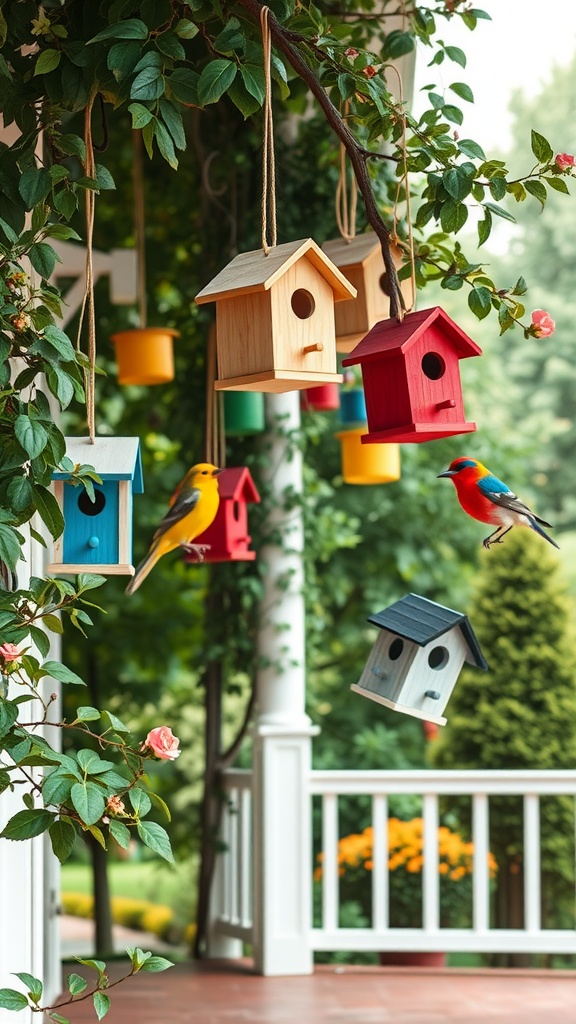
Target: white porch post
pixel 282 731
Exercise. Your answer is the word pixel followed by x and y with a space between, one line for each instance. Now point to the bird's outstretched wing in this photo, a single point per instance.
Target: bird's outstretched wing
pixel 184 501
pixel 493 488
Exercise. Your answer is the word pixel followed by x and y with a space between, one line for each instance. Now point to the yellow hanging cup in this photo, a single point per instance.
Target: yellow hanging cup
pixel 145 355
pixel 368 463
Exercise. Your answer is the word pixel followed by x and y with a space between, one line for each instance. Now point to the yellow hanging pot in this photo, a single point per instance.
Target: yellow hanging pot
pixel 368 463
pixel 145 355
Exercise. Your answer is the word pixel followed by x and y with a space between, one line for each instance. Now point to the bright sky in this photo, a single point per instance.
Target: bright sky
pixel 517 49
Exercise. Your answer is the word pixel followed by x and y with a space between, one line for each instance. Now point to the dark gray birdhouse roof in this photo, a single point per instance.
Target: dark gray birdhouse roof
pixel 420 620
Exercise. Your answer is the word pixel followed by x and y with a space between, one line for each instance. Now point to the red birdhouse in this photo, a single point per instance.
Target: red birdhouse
pixel 412 379
pixel 228 535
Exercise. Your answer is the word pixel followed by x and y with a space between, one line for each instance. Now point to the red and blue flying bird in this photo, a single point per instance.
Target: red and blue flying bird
pixel 484 497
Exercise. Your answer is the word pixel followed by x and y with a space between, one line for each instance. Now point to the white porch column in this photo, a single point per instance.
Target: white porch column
pixel 282 731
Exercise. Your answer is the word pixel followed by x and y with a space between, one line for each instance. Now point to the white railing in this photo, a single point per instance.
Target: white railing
pixel 234 916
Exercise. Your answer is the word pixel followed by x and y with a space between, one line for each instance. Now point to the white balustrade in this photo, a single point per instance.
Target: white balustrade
pixel 235 916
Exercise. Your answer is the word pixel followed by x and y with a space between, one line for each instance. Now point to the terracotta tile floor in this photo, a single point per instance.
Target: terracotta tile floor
pixel 213 993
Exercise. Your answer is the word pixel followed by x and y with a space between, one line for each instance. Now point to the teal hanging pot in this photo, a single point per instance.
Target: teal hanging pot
pixel 243 413
pixel 352 406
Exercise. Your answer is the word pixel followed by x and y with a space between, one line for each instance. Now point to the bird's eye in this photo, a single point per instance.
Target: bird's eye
pixel 204 472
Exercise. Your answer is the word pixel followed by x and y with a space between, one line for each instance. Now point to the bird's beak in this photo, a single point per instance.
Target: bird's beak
pixel 215 472
pixel 447 472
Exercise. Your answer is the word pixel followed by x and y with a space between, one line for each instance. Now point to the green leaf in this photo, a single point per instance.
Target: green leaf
pixel 170 45
pixel 186 29
pixel 173 121
pixel 140 115
pixel 76 984
pixel 453 114
pixel 31 435
pixel 541 148
pixel 148 84
pixel 559 184
pixel 120 833
pixel 241 98
pixel 463 91
pixel 131 28
pixel 62 673
pixel 88 800
pixel 57 1017
pixel 183 84
pixel 453 216
pixel 215 79
pixel 47 62
pixel 60 384
pixel 498 187
pixel 49 510
pixel 19 494
pixel 499 212
pixel 536 189
pixel 27 824
pixel 92 763
pixel 520 288
pixel 253 78
pixel 457 183
pixel 159 802
pixel 40 640
pixel 165 144
pixel 456 54
pixel 34 985
pixel 63 837
pixel 9 546
pixel 480 302
pixel 43 258
pixel 34 186
pixel 101 1004
pixel 155 838
pixel 140 801
pixel 115 723
pixel 88 714
pixel 10 999
pixel 60 341
pixel 57 785
pixel 8 715
pixel 53 623
pixel 156 963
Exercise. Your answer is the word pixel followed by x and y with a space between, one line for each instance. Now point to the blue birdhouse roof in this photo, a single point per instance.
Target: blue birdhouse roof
pixel 113 458
pixel 420 620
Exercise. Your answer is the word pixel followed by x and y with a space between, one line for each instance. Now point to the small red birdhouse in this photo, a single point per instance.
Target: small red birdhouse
pixel 412 379
pixel 228 535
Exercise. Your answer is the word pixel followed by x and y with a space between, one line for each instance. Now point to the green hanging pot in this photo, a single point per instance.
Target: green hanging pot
pixel 243 413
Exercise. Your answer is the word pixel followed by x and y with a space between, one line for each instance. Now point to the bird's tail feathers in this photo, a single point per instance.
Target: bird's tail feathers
pixel 146 566
pixel 542 522
pixel 534 523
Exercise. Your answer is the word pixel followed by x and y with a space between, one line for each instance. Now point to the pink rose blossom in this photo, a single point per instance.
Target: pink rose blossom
pixel 564 161
pixel 10 652
pixel 163 743
pixel 542 323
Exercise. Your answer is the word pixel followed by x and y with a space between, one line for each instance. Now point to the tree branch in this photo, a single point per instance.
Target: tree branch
pixel 357 154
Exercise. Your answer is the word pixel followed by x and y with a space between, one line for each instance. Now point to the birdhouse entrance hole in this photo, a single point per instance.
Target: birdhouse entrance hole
pixel 236 511
pixel 302 303
pixel 433 366
pixel 395 649
pixel 89 507
pixel 383 282
pixel 438 658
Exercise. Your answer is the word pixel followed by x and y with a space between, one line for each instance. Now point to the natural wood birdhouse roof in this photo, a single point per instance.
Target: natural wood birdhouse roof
pixel 113 458
pixel 389 336
pixel 253 271
pixel 359 250
pixel 420 620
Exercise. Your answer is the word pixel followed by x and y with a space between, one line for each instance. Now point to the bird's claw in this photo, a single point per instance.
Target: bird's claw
pixel 196 549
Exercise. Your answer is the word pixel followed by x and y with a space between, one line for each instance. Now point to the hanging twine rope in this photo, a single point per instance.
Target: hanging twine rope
pixel 215 447
pixel 268 160
pixel 139 225
pixel 346 200
pixel 403 180
pixel 88 300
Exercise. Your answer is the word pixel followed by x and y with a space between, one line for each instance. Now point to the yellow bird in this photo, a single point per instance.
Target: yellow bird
pixel 193 508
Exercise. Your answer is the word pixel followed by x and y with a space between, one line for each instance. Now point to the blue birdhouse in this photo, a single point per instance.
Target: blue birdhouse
pixel 417 657
pixel 98 534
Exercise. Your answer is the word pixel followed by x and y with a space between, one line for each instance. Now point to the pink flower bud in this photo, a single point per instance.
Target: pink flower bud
pixel 564 161
pixel 542 323
pixel 163 743
pixel 10 652
pixel 369 71
pixel 351 53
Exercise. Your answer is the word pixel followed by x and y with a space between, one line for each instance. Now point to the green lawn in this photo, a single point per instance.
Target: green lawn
pixel 145 880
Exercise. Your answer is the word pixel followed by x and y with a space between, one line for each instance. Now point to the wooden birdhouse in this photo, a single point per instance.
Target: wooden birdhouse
pixel 275 318
pixel 98 534
pixel 412 379
pixel 417 657
pixel 362 262
pixel 228 535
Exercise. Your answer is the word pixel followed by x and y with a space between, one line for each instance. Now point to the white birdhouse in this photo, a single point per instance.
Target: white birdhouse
pixel 417 657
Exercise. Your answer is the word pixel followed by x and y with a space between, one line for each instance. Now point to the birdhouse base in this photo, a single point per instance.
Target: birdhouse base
pixel 66 569
pixel 415 433
pixel 348 342
pixel 277 381
pixel 405 709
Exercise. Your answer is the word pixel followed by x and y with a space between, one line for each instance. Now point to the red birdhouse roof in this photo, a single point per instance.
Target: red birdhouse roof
pixel 390 336
pixel 236 484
